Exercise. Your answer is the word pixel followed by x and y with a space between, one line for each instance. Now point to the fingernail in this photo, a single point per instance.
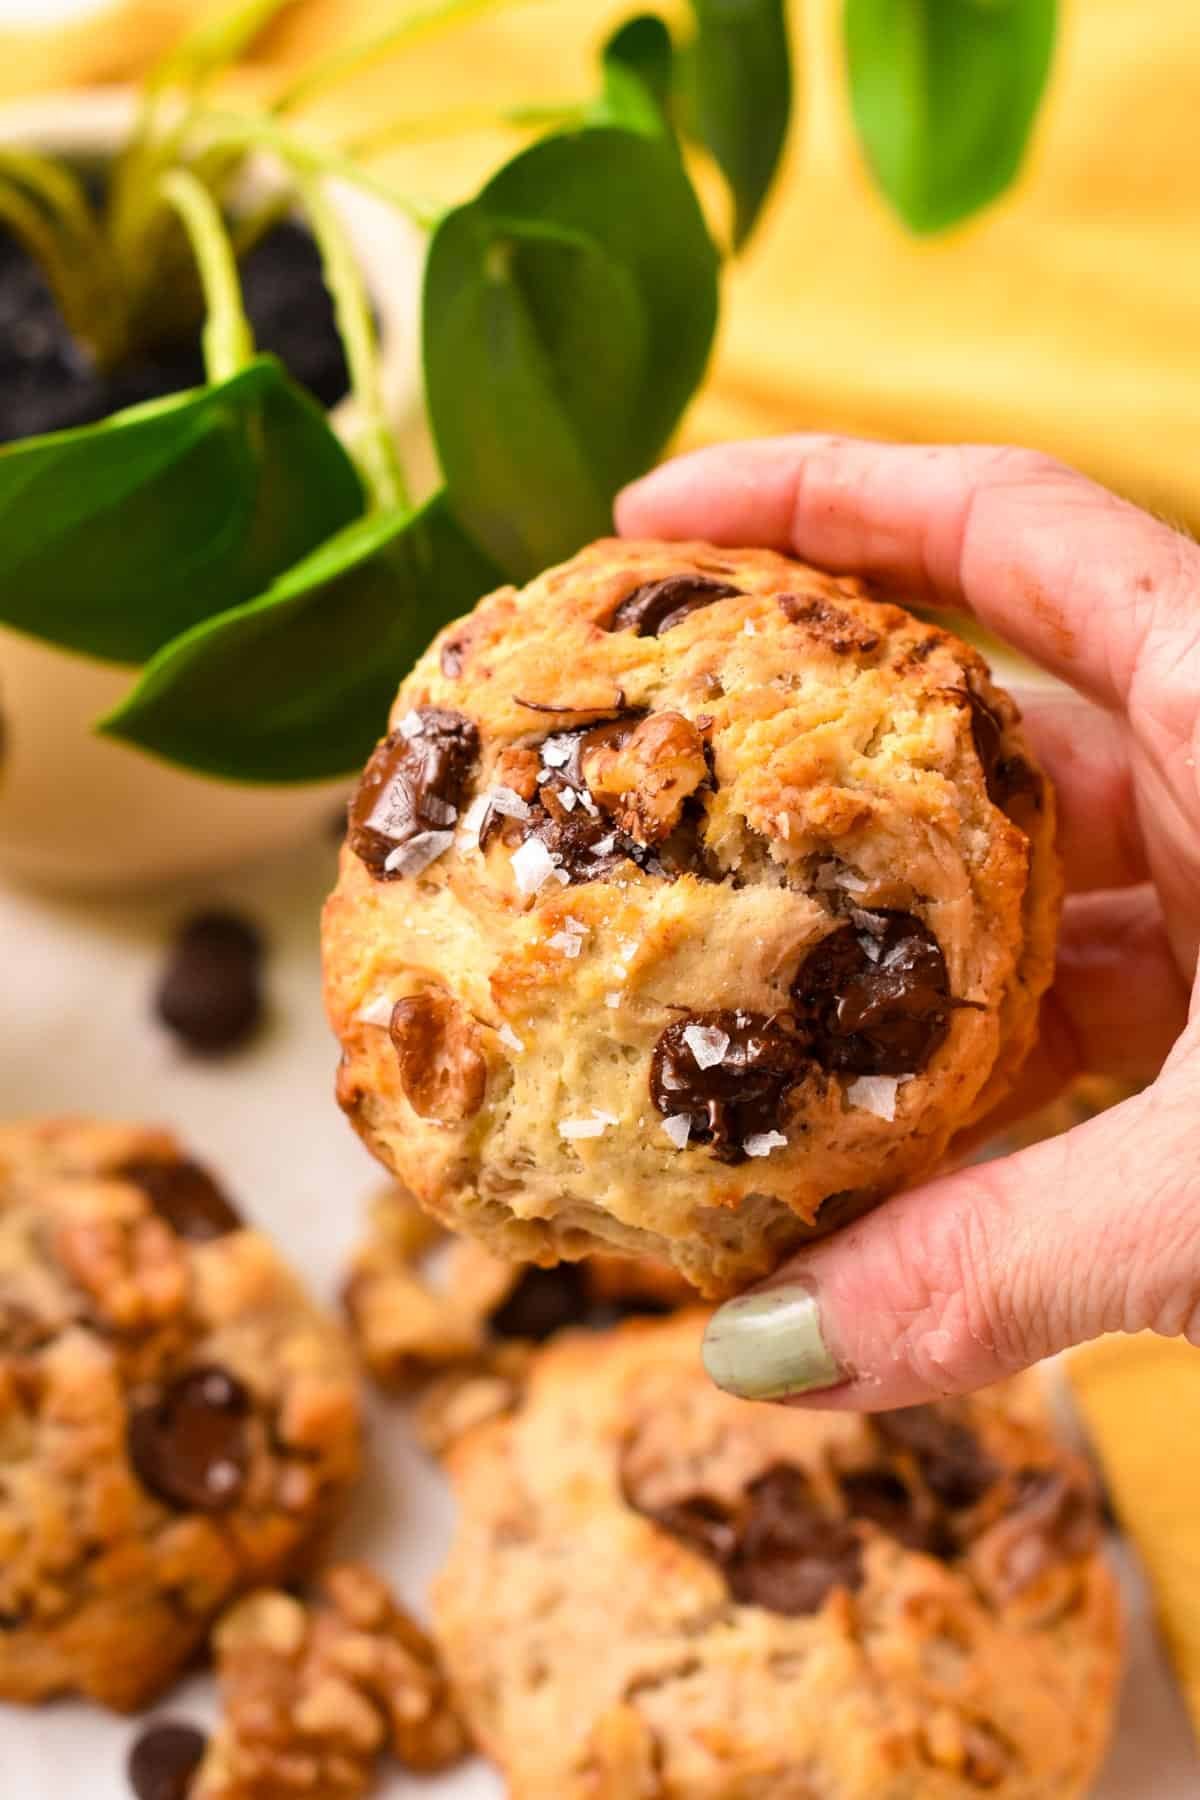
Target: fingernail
pixel 766 1345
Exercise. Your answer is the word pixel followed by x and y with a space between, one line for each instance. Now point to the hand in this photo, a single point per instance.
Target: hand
pixel 975 1274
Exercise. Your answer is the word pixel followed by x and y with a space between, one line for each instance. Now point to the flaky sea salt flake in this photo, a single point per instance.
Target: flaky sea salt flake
pixel 875 1094
pixel 377 1011
pixel 414 857
pixel 412 724
pixel 678 1127
pixel 506 800
pixel 707 1044
pixel 533 865
pixel 508 1036
pixel 761 1143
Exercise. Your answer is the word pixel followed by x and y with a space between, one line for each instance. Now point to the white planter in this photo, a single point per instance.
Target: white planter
pixel 82 812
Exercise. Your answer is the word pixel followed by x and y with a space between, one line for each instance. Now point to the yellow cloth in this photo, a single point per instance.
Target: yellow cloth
pixel 1068 316
pixel 1140 1401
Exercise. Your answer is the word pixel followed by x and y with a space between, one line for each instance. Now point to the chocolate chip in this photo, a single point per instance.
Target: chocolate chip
pixel 412 785
pixel 791 1555
pixel 830 625
pixel 543 1302
pixel 875 997
pixel 548 1300
pixel 703 1524
pixel 740 1095
pixel 210 994
pixel 881 1496
pixel 953 1463
pixel 657 606
pixel 189 1444
pixel 164 1760
pixel 451 657
pixel 1012 784
pixel 1053 1519
pixel 185 1195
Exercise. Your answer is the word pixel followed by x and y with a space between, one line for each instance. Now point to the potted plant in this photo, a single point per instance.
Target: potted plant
pixel 567 312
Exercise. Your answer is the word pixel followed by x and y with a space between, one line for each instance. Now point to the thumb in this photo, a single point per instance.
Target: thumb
pixel 980 1273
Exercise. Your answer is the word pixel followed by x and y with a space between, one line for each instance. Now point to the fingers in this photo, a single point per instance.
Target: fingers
pixel 1117 1007
pixel 973 1276
pixel 1086 584
pixel 1084 751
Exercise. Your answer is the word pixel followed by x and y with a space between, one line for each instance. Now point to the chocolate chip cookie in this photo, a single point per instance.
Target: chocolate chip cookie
pixel 177 1422
pixel 691 904
pixel 657 1590
pixel 419 1302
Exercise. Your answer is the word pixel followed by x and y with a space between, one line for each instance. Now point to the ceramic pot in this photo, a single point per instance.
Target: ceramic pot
pixel 82 812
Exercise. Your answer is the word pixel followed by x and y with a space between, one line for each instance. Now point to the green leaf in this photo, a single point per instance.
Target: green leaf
pixel 638 62
pixel 736 88
pixel 296 685
pixel 116 537
pixel 945 93
pixel 568 315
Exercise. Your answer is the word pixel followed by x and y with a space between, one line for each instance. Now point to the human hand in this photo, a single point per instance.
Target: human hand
pixel 976 1274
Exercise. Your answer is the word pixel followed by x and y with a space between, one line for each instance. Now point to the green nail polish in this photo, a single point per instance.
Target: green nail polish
pixel 766 1345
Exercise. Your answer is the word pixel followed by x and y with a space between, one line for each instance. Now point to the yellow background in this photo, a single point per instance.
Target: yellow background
pixel 1067 316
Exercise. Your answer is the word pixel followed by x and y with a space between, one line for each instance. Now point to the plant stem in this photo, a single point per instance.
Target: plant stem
pixel 436 16
pixel 377 447
pixel 532 117
pixel 228 339
pixel 257 132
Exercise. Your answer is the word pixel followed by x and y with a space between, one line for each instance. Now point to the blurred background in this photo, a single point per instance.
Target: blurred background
pixel 1061 317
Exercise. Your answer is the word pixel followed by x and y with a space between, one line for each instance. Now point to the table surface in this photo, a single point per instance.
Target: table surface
pixel 78 1036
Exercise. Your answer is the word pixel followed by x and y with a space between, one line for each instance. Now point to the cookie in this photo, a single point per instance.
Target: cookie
pixel 658 1590
pixel 419 1302
pixel 313 1695
pixel 177 1422
pixel 692 902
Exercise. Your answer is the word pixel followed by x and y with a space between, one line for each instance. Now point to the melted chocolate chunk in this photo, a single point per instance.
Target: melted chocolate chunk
pixel 185 1195
pixel 1053 1519
pixel 791 1555
pixel 189 1446
pixel 657 606
pixel 875 999
pixel 164 1760
pixel 210 994
pixel 880 1496
pixel 740 1095
pixel 953 1463
pixel 545 1301
pixel 412 785
pixel 830 625
pixel 576 830
pixel 703 1524
pixel 1011 783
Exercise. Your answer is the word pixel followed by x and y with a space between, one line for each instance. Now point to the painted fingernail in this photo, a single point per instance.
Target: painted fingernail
pixel 766 1345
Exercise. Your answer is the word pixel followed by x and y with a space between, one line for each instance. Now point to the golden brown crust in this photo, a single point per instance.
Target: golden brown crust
pixel 597 1651
pixel 130 1296
pixel 809 754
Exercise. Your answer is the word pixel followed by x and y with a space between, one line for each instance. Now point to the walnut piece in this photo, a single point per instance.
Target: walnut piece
pixel 644 780
pixel 313 1694
pixel 442 1069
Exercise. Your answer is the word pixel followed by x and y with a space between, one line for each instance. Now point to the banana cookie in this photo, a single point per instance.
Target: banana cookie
pixel 693 901
pixel 177 1422
pixel 419 1302
pixel 657 1590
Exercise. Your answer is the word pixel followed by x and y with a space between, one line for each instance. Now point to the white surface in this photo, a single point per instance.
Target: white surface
pixel 74 984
